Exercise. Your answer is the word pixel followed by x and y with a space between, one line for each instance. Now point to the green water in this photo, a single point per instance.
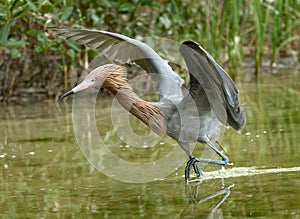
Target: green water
pixel 44 174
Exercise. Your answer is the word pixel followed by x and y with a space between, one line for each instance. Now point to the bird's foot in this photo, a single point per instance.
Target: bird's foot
pixel 192 163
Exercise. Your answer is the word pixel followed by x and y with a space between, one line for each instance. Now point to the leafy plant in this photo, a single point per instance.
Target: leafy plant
pixel 229 30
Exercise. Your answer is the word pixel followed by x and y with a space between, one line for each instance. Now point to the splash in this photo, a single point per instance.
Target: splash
pixel 243 171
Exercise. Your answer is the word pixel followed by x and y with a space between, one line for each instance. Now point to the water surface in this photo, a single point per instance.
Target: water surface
pixel 44 174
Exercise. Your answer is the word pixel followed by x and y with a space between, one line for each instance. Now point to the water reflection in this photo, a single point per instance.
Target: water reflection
pixel 195 200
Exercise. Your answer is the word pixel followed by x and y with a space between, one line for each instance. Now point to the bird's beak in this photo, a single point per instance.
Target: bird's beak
pixel 80 87
pixel 66 94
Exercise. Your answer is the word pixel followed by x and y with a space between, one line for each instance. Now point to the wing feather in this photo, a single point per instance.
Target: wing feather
pixel 219 88
pixel 123 49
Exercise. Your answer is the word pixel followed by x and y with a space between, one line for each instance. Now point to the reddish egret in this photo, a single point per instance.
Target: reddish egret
pixel 211 101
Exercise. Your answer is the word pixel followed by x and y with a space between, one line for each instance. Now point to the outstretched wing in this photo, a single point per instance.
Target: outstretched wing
pixel 123 49
pixel 219 88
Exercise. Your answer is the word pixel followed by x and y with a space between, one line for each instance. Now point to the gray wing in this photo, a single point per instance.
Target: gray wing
pixel 219 88
pixel 123 49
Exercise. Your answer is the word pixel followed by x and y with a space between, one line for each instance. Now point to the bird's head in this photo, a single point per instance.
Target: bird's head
pixel 109 76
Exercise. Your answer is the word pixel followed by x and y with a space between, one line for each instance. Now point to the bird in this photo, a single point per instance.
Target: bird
pixel 210 103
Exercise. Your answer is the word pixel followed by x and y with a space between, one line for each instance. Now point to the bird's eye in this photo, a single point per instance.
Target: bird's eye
pixel 93 80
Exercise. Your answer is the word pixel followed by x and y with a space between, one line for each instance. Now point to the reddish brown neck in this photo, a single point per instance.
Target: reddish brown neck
pixel 151 115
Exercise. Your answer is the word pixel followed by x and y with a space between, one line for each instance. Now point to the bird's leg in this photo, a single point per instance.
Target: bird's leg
pixel 224 160
pixel 192 162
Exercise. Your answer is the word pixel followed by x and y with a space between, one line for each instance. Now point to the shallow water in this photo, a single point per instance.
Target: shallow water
pixel 44 173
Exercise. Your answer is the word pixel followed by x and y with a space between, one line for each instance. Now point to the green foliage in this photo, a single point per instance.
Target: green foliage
pixel 229 30
pixel 10 11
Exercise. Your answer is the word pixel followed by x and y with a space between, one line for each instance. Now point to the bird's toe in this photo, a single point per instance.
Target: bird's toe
pixel 197 170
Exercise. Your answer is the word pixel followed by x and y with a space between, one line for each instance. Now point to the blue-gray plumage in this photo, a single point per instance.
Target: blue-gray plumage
pixel 198 116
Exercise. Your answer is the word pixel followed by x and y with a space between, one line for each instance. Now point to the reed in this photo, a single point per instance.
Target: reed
pixel 230 30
